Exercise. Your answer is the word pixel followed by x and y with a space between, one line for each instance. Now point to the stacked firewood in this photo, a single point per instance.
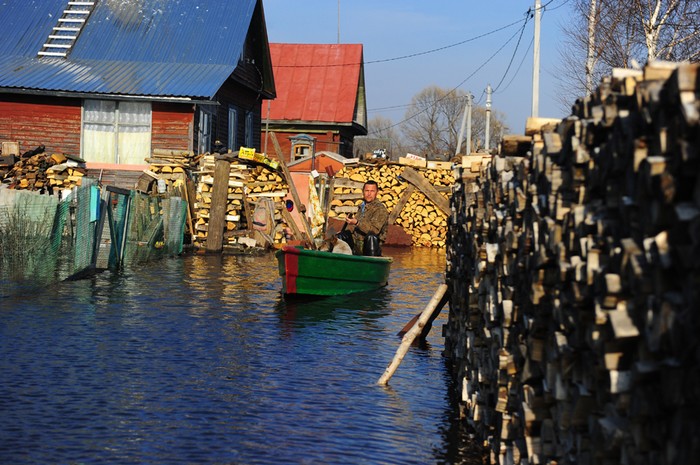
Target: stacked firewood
pixel 246 185
pixel 170 165
pixel 574 272
pixel 45 172
pixel 408 198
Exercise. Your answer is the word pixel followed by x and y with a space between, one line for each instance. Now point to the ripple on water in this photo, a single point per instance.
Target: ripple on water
pixel 200 360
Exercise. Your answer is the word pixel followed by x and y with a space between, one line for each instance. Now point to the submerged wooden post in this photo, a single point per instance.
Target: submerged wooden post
pixel 412 333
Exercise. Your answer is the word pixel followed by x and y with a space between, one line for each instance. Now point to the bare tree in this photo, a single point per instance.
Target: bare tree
pixel 671 28
pixel 384 129
pixel 434 119
pixel 606 34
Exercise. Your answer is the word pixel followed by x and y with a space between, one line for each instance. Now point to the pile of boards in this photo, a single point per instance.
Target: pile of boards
pixel 574 268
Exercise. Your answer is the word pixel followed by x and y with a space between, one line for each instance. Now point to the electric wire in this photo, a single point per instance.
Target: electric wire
pixel 451 91
pixel 405 57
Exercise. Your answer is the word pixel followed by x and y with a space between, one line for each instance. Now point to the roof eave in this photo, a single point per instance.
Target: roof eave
pixel 98 96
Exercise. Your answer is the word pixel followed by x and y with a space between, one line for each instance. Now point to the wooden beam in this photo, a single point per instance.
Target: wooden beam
pixel 219 201
pixel 292 189
pixel 292 224
pixel 401 203
pixel 433 306
pixel 423 185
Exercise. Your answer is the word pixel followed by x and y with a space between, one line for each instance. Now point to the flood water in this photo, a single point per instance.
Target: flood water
pixel 198 359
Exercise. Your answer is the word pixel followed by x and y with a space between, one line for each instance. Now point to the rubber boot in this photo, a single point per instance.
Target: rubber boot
pixel 371 246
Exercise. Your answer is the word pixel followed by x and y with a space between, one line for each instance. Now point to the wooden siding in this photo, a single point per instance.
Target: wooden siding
pixel 172 126
pixel 33 121
pixel 244 100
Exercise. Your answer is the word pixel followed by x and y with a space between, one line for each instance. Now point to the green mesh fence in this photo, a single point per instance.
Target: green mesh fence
pixel 44 240
pixel 155 228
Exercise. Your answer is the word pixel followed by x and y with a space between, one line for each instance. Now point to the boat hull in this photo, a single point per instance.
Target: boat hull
pixel 312 272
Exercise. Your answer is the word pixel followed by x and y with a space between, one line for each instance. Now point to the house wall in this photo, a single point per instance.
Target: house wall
pixel 56 123
pixel 39 120
pixel 172 126
pixel 244 100
pixel 338 140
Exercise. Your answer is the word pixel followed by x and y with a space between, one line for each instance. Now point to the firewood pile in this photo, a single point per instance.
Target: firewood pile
pixel 247 184
pixel 574 274
pixel 44 172
pixel 170 166
pixel 417 199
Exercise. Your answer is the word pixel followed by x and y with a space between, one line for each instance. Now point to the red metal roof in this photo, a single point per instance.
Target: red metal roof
pixel 316 82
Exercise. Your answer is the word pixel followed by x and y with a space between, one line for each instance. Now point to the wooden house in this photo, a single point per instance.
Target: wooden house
pixel 111 81
pixel 320 104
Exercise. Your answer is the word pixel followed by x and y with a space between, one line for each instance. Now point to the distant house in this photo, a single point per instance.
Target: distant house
pixel 110 81
pixel 320 104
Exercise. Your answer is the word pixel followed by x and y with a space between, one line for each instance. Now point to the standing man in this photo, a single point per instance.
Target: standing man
pixel 370 222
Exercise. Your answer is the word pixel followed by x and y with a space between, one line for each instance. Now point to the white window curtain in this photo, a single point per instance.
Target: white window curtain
pixel 204 138
pixel 116 132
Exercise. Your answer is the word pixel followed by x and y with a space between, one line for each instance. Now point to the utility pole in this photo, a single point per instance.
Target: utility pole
pixel 536 62
pixel 466 121
pixel 469 124
pixel 339 22
pixel 488 118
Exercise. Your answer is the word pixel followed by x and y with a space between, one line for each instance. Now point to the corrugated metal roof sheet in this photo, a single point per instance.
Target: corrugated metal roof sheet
pixel 169 48
pixel 316 82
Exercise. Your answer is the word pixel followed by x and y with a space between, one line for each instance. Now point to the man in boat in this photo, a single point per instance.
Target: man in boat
pixel 370 223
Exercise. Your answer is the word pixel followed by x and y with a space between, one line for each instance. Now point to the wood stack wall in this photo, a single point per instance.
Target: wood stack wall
pixel 574 271
pixel 418 203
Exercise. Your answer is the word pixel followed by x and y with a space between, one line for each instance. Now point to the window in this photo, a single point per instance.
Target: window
pixel 204 134
pixel 116 132
pixel 301 151
pixel 233 143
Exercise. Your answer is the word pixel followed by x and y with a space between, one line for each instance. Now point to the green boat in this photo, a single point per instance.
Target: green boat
pixel 316 273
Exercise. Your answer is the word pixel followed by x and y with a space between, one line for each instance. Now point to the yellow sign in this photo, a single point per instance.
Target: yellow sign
pixel 246 153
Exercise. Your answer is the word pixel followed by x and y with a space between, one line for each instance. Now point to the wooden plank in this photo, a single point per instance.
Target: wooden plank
pixel 292 189
pixel 348 183
pixel 401 203
pixel 413 332
pixel 331 196
pixel 217 213
pixel 292 224
pixel 415 178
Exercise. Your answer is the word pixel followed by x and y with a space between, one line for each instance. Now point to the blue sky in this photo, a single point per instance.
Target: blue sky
pixel 390 29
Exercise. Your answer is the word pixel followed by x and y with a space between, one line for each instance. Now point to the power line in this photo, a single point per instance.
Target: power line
pixel 404 57
pixel 449 94
pixel 528 14
pixel 519 66
pixel 512 57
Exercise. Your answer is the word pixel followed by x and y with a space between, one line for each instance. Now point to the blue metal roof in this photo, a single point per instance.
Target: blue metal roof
pixel 163 48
